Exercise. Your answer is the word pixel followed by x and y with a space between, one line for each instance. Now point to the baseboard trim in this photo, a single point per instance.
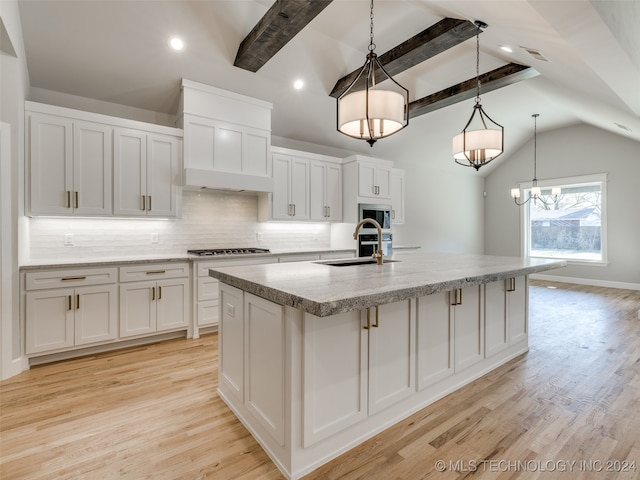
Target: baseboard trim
pixel 586 281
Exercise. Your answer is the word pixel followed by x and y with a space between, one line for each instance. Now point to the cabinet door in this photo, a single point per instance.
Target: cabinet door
pixel 49 320
pixel 163 175
pixel 366 180
pixel 50 165
pixel 468 329
pixel 265 364
pixel 334 374
pixel 231 340
pixel 383 181
pixel 333 192
pixel 517 310
pixel 172 307
pixel 92 169
pixel 96 314
pixel 256 148
pixel 280 203
pixel 299 188
pixel 495 317
pixel 391 354
pixel 227 155
pixel 130 172
pixel 397 198
pixel 317 204
pixel 435 339
pixel 137 309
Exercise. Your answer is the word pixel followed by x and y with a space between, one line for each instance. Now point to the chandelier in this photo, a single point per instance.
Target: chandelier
pixel 372 113
pixel 535 192
pixel 481 142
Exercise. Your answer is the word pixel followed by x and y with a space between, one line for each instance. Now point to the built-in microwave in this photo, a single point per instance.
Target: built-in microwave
pixel 379 213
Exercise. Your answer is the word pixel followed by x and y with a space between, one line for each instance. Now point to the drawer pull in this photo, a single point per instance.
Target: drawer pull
pixel 156 272
pixel 67 279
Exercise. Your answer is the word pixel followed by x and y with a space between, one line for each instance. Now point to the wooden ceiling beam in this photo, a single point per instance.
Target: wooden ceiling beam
pixel 498 78
pixel 280 24
pixel 439 37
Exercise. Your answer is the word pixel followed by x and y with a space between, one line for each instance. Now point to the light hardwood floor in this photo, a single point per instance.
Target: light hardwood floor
pixel 152 412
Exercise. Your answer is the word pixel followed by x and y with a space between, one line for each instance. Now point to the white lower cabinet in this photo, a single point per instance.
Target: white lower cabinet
pixel 154 305
pixel 505 314
pixel 84 313
pixel 468 326
pixel 356 364
pixel 435 339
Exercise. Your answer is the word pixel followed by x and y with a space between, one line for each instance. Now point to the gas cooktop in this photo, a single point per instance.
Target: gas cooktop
pixel 211 252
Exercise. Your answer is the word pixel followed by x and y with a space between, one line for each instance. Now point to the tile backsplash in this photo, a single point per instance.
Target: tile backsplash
pixel 210 219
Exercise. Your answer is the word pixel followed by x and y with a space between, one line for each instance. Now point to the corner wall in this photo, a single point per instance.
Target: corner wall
pixel 567 152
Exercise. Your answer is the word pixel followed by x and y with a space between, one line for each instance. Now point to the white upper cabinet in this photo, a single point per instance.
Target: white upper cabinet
pixel 325 191
pixel 81 163
pixel 227 139
pixel 397 196
pixel 147 174
pixel 365 180
pixel 70 166
pixel 289 200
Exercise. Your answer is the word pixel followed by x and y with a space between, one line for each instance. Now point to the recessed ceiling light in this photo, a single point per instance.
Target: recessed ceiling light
pixel 176 43
pixel 506 48
pixel 298 84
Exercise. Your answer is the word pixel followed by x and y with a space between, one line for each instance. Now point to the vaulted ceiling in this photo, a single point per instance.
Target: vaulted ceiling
pixel 116 51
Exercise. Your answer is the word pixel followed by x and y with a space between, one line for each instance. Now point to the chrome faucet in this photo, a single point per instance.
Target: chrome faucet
pixel 377 255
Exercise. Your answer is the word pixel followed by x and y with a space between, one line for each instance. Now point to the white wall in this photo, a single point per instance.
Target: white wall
pixel 573 151
pixel 444 212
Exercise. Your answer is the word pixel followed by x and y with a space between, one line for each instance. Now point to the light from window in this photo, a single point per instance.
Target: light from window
pixel 571 226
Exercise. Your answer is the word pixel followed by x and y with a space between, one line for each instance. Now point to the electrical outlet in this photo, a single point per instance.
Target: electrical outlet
pixel 68 239
pixel 258 236
pixel 154 238
pixel 231 310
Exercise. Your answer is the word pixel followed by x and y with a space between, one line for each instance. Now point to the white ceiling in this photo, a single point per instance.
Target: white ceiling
pixel 116 51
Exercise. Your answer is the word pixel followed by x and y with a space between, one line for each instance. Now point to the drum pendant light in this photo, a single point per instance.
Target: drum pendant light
pixel 372 113
pixel 478 144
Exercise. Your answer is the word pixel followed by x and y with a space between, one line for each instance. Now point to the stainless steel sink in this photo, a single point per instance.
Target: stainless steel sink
pixel 351 262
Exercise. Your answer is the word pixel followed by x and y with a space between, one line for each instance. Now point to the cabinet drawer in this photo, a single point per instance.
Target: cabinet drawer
pixel 203 267
pixel 46 279
pixel 135 273
pixel 208 313
pixel 207 289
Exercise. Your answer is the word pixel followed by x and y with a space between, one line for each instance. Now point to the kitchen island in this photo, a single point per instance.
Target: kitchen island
pixel 317 357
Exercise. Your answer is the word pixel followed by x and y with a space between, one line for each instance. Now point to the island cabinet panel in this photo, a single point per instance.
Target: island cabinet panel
pixel 334 374
pixel 468 325
pixel 391 353
pixel 265 364
pixel 517 308
pixel 505 314
pixel 231 340
pixel 495 308
pixel 435 339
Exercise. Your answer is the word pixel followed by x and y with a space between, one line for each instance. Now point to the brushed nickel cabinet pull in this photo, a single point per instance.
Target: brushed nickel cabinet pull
pixel 376 324
pixel 144 204
pixel 329 211
pixel 159 293
pixel 460 301
pixel 76 198
pixel 149 202
pixel 68 198
pixel 368 326
pixel 153 293
pixel 77 301
pixel 457 297
pixel 156 272
pixel 294 209
pixel 69 304
pixel 66 279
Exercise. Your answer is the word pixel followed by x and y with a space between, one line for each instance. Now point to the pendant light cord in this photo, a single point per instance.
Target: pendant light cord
pixel 535 146
pixel 372 46
pixel 478 65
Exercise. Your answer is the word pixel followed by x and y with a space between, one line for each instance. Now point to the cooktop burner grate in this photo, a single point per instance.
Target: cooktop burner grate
pixel 211 252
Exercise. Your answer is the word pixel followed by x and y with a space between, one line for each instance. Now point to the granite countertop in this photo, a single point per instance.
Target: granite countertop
pixel 169 257
pixel 324 290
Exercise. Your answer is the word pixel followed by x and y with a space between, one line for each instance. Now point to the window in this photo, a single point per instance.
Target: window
pixel 571 226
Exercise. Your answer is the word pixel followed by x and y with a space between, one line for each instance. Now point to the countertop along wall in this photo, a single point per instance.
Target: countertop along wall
pixel 568 152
